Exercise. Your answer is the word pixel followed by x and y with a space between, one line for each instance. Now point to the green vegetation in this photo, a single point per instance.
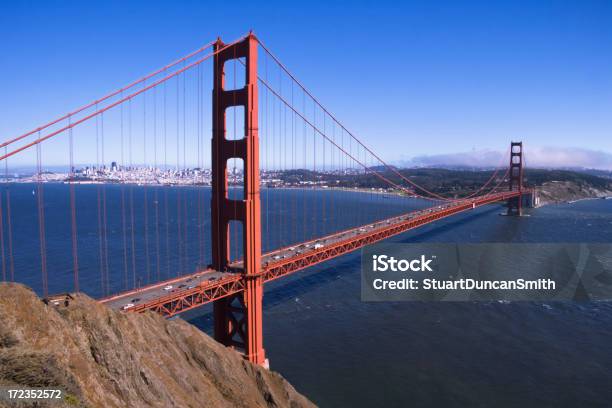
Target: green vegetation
pixel 441 181
pixel 538 177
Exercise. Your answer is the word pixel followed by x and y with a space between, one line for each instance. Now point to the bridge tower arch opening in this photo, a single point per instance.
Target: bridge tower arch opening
pixel 237 318
pixel 515 178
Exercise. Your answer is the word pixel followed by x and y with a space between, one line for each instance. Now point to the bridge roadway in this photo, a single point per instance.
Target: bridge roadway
pixel 186 292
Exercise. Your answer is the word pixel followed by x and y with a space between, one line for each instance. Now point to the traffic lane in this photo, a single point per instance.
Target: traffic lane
pixel 310 246
pixel 190 281
pixel 150 294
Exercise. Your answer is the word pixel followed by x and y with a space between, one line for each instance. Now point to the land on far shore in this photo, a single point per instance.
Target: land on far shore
pixel 553 185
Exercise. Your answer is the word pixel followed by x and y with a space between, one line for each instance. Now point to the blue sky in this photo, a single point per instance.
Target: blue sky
pixel 432 77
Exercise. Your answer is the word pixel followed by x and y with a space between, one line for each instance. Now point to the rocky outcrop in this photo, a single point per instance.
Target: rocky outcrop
pixel 564 191
pixel 103 358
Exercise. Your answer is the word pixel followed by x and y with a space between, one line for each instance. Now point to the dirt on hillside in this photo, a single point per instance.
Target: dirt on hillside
pixel 104 358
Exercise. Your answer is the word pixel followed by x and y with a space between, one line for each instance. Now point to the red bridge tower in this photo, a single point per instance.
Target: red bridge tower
pixel 238 318
pixel 515 204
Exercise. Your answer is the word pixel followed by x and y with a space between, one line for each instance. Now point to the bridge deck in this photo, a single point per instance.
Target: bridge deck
pixel 190 291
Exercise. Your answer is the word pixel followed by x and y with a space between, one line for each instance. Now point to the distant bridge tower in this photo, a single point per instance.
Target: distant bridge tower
pixel 238 318
pixel 515 204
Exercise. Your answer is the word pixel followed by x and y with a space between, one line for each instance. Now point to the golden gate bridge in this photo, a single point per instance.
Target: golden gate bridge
pixel 152 255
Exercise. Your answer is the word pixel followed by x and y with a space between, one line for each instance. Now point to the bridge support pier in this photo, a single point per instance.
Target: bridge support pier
pixel 238 318
pixel 515 204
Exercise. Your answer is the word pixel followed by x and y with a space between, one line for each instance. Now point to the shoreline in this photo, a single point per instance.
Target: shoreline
pixel 544 203
pixel 546 197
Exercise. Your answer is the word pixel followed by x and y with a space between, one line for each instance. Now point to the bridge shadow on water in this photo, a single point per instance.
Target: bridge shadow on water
pixel 295 286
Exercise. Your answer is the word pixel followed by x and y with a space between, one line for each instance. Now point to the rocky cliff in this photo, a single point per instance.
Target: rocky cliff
pixel 103 358
pixel 564 191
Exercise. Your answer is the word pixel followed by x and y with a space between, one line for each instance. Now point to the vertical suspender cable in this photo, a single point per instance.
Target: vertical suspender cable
pixel 2 240
pixel 73 218
pixel 41 220
pixel 293 153
pixel 178 190
pixel 123 216
pixel 155 187
pixel 324 193
pixel 281 227
pixel 267 151
pixel 99 208
pixel 166 210
pixel 132 223
pixel 304 197
pixel 199 164
pixel 9 219
pixel 314 215
pixel 104 214
pixel 185 224
pixel 144 187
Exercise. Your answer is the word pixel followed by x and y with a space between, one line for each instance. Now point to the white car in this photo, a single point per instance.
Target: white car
pixel 317 246
pixel 169 287
pixel 126 307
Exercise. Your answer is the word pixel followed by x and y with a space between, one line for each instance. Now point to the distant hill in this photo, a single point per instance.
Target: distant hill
pixel 539 176
pixel 599 173
pixel 449 182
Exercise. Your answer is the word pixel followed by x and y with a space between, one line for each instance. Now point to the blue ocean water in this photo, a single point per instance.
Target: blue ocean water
pixel 331 346
pixel 341 352
pixel 129 236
